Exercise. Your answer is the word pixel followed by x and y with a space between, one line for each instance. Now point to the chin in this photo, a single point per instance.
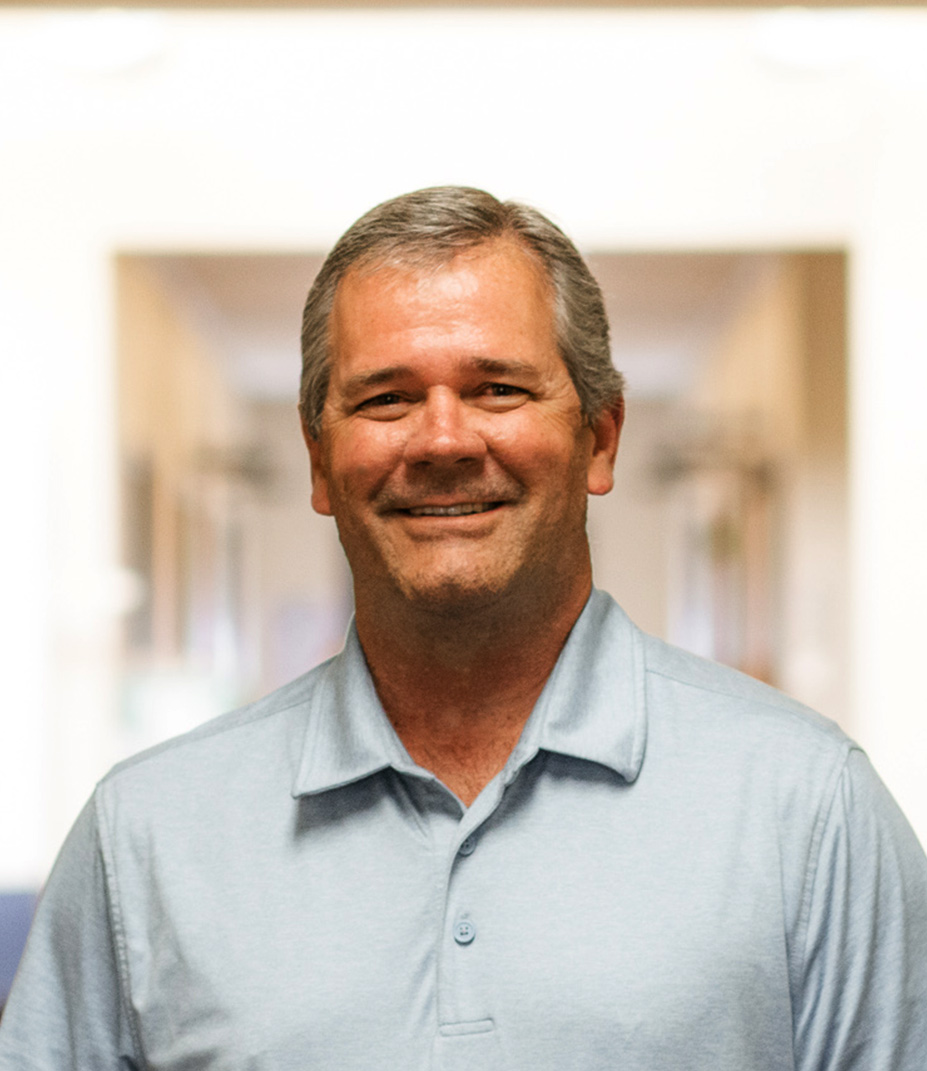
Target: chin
pixel 455 593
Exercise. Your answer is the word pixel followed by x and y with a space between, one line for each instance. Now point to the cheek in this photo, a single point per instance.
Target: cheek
pixel 547 451
pixel 361 463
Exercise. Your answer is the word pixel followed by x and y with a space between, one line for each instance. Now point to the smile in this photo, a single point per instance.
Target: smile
pixel 460 510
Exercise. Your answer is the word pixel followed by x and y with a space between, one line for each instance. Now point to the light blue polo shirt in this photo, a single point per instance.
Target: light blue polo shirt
pixel 678 869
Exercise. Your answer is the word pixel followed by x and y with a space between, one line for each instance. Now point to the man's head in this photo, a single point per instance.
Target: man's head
pixel 428 228
pixel 447 432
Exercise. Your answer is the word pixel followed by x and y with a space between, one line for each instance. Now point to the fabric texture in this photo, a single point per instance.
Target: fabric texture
pixel 678 868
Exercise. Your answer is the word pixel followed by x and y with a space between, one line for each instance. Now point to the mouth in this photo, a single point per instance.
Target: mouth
pixel 460 509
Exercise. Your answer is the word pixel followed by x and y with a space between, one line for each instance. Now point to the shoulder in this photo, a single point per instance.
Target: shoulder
pixel 229 753
pixel 718 738
pixel 721 697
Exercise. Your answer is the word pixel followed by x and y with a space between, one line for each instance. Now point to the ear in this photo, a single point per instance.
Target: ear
pixel 606 430
pixel 321 502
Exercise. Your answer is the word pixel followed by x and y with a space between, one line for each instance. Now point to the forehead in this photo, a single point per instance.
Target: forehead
pixel 500 284
pixel 504 252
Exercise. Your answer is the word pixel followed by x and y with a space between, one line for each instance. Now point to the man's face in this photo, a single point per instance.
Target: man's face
pixel 453 454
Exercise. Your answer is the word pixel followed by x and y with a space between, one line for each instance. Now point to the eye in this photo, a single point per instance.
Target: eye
pixel 385 406
pixel 503 395
pixel 387 399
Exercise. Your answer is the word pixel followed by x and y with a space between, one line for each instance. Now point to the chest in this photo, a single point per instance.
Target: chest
pixel 564 930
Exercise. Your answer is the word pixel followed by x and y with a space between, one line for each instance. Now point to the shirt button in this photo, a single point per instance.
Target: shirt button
pixel 464 932
pixel 467 845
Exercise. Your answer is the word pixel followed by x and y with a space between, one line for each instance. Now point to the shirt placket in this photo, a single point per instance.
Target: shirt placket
pixel 467 1034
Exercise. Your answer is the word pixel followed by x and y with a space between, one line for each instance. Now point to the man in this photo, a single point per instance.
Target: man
pixel 504 828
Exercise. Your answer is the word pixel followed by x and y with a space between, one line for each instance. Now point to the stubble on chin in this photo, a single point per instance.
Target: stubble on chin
pixel 452 588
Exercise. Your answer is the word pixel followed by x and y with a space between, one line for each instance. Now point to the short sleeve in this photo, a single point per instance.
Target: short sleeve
pixel 65 1011
pixel 862 1005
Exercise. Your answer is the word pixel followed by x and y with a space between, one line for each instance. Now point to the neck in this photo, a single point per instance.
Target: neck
pixel 459 684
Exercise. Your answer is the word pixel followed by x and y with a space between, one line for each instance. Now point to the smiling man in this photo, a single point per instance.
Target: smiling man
pixel 454 453
pixel 503 829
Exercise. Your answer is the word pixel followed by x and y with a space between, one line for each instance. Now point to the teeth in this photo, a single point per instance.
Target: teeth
pixel 451 511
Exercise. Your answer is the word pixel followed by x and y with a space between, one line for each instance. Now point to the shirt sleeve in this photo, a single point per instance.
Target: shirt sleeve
pixel 66 1010
pixel 862 1004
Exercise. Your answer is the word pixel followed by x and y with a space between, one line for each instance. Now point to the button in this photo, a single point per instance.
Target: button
pixel 464 931
pixel 467 845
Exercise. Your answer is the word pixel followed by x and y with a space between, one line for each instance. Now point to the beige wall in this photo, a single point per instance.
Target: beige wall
pixel 770 399
pixel 305 583
pixel 185 516
pixel 628 528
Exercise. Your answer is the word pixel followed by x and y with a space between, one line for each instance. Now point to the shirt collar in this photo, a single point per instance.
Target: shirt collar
pixel 593 704
pixel 592 708
pixel 348 735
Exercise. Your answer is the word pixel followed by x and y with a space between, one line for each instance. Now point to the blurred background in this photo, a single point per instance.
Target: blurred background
pixel 748 185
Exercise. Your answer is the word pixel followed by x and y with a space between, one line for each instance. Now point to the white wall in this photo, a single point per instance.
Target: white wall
pixel 663 130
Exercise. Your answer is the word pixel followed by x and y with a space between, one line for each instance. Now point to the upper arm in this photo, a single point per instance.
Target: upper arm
pixel 862 1004
pixel 66 1008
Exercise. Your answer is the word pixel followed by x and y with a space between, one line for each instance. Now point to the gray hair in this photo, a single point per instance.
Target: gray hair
pixel 425 230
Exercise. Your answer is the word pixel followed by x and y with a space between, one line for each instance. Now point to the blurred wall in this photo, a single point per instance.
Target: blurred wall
pixel 184 503
pixel 250 131
pixel 727 531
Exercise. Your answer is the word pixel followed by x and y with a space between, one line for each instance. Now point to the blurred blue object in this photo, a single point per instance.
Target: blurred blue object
pixel 16 911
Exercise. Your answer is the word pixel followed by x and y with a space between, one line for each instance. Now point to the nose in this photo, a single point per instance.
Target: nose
pixel 444 431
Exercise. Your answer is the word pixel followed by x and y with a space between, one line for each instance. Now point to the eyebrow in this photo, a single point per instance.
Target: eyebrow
pixel 363 380
pixel 501 366
pixel 488 365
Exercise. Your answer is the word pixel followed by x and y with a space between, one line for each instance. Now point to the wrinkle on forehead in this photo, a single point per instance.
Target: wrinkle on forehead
pixel 454 300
